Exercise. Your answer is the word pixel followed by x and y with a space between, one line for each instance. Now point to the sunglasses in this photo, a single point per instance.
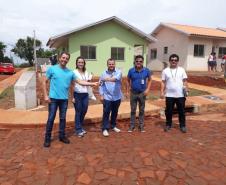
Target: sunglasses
pixel 176 60
pixel 139 61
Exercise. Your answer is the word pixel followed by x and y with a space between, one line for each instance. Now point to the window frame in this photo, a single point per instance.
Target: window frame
pixel 88 54
pixel 198 54
pixel 221 54
pixel 165 50
pixel 153 57
pixel 121 60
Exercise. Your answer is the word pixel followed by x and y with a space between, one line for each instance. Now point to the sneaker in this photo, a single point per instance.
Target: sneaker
pixel 105 133
pixel 167 128
pixel 46 144
pixel 131 129
pixel 142 130
pixel 183 129
pixel 116 129
pixel 84 132
pixel 64 140
pixel 81 134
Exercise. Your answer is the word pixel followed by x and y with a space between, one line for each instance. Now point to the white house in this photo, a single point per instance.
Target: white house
pixel 192 44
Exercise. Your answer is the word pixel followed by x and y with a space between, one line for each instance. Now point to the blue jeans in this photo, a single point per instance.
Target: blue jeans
pixel 110 107
pixel 180 102
pixel 53 105
pixel 81 107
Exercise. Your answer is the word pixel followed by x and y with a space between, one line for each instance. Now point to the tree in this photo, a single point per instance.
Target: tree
pixel 41 53
pixel 24 49
pixel 7 60
pixel 2 50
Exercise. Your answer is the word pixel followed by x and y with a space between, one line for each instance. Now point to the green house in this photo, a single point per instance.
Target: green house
pixel 108 38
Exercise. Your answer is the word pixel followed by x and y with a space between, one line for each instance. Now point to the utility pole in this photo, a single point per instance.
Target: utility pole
pixel 35 57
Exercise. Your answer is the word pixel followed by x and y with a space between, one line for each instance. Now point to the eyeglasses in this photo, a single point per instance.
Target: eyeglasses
pixel 176 60
pixel 140 61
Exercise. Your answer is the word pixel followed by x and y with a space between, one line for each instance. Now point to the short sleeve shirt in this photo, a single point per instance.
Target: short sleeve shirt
pixel 60 81
pixel 174 81
pixel 139 79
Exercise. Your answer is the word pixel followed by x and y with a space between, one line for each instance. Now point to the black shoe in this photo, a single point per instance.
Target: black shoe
pixel 183 129
pixel 167 128
pixel 64 140
pixel 46 144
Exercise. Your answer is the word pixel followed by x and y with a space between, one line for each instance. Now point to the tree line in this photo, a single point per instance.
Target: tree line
pixel 25 50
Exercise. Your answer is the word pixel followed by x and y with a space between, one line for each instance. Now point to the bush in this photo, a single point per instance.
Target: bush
pixel 23 65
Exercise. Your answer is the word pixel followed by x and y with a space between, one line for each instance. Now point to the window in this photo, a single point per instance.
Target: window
pixel 198 50
pixel 153 53
pixel 88 52
pixel 222 52
pixel 165 50
pixel 117 53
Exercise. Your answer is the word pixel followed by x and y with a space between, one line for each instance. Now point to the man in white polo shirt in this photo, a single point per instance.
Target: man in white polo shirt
pixel 174 88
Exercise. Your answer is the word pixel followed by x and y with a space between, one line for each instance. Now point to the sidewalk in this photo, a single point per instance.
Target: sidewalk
pixel 18 118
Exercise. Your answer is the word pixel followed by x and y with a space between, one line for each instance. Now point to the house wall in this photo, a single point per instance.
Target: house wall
pixel 105 36
pixel 198 63
pixel 176 43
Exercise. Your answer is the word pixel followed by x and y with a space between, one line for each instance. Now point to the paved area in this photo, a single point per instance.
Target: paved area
pixel 152 158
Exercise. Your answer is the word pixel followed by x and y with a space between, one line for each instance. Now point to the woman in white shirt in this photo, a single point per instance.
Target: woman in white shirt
pixel 81 96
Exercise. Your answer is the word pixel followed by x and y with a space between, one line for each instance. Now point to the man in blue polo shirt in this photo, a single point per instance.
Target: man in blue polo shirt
pixel 60 79
pixel 139 84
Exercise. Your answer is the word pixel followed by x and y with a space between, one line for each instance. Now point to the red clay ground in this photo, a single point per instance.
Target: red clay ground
pixel 152 158
pixel 214 80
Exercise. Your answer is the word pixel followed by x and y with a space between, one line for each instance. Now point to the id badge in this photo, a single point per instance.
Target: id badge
pixel 142 81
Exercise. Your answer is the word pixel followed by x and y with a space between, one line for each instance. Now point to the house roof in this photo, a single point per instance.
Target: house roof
pixel 192 30
pixel 64 36
pixel 223 29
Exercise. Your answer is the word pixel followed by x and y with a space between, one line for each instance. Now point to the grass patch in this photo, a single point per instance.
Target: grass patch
pixel 152 97
pixel 9 92
pixel 196 92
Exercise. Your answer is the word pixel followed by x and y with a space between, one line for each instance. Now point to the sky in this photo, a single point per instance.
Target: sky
pixel 18 19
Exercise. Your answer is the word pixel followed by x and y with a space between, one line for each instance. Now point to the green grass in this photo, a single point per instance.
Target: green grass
pixel 195 92
pixel 152 97
pixel 192 92
pixel 9 92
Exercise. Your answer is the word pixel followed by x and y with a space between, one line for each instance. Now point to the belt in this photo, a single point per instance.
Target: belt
pixel 136 92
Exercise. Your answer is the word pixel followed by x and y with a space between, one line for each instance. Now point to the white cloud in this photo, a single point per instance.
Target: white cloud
pixel 52 17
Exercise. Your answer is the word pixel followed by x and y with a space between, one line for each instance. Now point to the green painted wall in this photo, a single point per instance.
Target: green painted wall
pixel 105 36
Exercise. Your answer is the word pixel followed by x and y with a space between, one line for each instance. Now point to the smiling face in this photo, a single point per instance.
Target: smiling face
pixel 173 62
pixel 111 65
pixel 138 63
pixel 80 64
pixel 63 60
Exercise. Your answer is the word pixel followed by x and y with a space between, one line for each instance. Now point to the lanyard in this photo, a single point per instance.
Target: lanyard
pixel 175 75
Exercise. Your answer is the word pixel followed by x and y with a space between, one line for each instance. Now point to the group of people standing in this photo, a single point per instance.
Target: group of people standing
pixel 174 84
pixel 212 62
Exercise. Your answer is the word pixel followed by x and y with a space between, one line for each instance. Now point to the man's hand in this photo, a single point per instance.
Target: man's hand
pixel 47 100
pixel 73 100
pixel 146 92
pixel 95 84
pixel 162 95
pixel 101 99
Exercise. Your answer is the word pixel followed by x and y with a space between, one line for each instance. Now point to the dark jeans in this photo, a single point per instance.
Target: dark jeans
pixel 180 103
pixel 110 107
pixel 53 105
pixel 134 99
pixel 81 107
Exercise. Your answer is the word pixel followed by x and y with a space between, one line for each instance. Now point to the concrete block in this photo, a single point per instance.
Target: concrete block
pixel 25 91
